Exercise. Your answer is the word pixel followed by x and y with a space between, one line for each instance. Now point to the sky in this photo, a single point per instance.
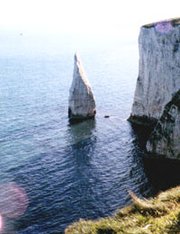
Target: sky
pixel 83 16
pixel 51 26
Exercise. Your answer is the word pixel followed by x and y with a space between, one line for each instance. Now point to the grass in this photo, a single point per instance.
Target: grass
pixel 159 215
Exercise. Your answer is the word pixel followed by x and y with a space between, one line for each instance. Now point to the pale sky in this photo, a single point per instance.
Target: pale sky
pixel 88 16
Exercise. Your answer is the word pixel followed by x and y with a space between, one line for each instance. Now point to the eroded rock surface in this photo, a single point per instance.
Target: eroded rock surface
pixel 157 95
pixel 165 139
pixel 81 99
pixel 159 70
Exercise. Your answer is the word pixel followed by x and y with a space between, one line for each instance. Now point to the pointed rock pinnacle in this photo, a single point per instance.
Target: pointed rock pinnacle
pixel 81 99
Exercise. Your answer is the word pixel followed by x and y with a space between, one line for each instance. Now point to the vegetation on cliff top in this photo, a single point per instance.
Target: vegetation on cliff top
pixel 158 215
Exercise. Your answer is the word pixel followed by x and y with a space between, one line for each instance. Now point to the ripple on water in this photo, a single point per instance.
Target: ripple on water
pixel 68 172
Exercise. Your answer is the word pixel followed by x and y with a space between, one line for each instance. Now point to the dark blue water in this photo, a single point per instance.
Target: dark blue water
pixel 69 172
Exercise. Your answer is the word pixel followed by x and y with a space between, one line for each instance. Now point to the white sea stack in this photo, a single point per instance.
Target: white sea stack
pixel 81 99
pixel 165 138
pixel 159 70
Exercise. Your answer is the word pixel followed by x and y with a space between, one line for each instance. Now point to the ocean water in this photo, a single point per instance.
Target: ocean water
pixel 65 172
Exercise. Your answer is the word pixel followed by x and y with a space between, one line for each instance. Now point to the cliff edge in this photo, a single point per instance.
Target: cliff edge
pixel 159 70
pixel 154 216
pixel 157 95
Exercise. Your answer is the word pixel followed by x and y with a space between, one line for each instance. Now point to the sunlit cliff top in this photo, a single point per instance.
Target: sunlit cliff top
pixel 174 22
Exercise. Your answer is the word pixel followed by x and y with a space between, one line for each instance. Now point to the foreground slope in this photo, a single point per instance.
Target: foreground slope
pixel 158 215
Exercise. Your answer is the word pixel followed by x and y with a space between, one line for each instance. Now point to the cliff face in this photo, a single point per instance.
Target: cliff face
pixel 159 70
pixel 165 139
pixel 157 95
pixel 81 99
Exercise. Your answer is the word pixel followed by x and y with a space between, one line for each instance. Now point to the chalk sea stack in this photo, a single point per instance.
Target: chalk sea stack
pixel 81 99
pixel 157 95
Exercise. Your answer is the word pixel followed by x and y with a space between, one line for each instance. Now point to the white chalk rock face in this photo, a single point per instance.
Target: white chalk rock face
pixel 159 69
pixel 81 99
pixel 165 138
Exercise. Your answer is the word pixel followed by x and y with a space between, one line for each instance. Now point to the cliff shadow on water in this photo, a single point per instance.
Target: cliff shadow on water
pixel 141 134
pixel 162 173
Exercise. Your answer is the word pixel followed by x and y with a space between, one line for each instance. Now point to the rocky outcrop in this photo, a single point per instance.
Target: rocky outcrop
pixel 159 70
pixel 81 99
pixel 165 139
pixel 157 95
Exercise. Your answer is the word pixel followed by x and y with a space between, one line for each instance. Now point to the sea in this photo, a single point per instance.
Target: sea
pixel 52 173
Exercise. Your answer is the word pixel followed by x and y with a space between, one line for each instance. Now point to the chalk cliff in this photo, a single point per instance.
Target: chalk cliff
pixel 165 138
pixel 81 99
pixel 157 94
pixel 159 70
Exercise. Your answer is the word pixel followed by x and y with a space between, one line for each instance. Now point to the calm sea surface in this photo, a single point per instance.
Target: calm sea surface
pixel 67 172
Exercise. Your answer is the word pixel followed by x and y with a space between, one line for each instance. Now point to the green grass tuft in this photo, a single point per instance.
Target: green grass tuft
pixel 160 215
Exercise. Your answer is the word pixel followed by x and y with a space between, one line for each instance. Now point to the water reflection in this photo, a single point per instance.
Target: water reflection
pixel 81 131
pixel 83 142
pixel 82 145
